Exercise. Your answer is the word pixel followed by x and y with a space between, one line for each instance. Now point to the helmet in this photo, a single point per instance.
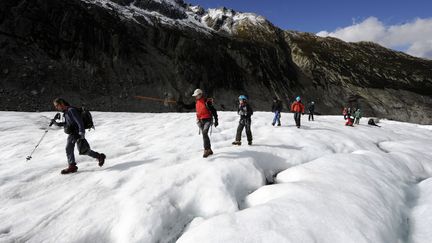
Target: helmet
pixel 243 97
pixel 313 103
pixel 197 92
pixel 298 98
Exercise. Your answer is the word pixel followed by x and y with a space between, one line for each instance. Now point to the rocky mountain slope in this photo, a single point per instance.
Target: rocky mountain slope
pixel 103 53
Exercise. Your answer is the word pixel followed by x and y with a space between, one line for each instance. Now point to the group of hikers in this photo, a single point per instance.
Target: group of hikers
pixel 352 116
pixel 206 116
pixel 297 107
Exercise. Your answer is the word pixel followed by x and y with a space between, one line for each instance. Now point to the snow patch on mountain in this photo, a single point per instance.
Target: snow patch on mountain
pixel 228 20
pixel 181 15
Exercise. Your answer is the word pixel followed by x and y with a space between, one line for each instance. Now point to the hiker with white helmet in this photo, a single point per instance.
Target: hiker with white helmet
pixel 311 109
pixel 205 113
pixel 245 111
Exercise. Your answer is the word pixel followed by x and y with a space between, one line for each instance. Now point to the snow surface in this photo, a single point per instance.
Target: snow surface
pixel 322 183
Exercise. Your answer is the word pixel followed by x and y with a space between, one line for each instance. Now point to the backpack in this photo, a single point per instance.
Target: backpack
pixel 210 102
pixel 86 117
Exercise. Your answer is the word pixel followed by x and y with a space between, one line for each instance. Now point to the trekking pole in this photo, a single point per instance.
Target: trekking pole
pixel 37 145
pixel 57 116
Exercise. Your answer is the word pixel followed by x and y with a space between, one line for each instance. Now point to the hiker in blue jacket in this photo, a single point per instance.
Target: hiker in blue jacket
pixel 74 126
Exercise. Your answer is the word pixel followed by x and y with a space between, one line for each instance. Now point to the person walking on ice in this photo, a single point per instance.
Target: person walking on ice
pixel 276 109
pixel 74 126
pixel 205 113
pixel 298 108
pixel 311 109
pixel 245 111
pixel 357 116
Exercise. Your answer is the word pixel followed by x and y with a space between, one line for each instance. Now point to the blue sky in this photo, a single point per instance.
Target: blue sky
pixel 314 16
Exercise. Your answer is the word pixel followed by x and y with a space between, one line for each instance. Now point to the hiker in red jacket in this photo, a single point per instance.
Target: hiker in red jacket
pixel 205 113
pixel 298 108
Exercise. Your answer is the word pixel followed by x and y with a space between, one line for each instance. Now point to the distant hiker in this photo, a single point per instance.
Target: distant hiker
pixel 371 122
pixel 298 108
pixel 74 126
pixel 311 109
pixel 350 121
pixel 245 111
pixel 345 112
pixel 205 113
pixel 276 109
pixel 347 116
pixel 357 116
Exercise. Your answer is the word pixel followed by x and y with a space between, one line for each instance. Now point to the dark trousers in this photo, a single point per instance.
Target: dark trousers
pixel 297 117
pixel 244 123
pixel 311 116
pixel 204 126
pixel 70 146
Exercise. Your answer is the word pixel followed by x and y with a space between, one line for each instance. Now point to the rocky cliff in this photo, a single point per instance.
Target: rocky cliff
pixel 103 53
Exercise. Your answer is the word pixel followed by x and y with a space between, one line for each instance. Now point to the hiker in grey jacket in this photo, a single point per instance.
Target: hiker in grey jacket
pixel 74 127
pixel 245 111
pixel 357 116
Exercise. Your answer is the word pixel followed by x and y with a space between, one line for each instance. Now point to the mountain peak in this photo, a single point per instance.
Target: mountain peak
pixel 179 13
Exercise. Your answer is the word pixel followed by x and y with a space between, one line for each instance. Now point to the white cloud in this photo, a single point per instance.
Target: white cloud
pixel 421 49
pixel 415 35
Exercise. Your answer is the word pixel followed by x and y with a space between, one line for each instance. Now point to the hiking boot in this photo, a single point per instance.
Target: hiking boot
pixel 249 142
pixel 101 160
pixel 71 169
pixel 279 125
pixel 207 153
pixel 273 124
pixel 236 143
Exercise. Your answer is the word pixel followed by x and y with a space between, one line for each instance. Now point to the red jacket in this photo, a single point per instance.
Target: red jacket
pixel 202 111
pixel 298 107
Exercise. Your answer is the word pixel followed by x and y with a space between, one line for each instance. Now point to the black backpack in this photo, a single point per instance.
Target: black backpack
pixel 86 117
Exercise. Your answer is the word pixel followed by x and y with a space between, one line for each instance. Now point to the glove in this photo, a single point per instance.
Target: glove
pixel 53 122
pixel 216 123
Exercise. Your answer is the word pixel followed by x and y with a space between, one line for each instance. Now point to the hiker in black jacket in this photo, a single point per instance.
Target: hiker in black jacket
pixel 311 109
pixel 245 111
pixel 276 109
pixel 74 127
